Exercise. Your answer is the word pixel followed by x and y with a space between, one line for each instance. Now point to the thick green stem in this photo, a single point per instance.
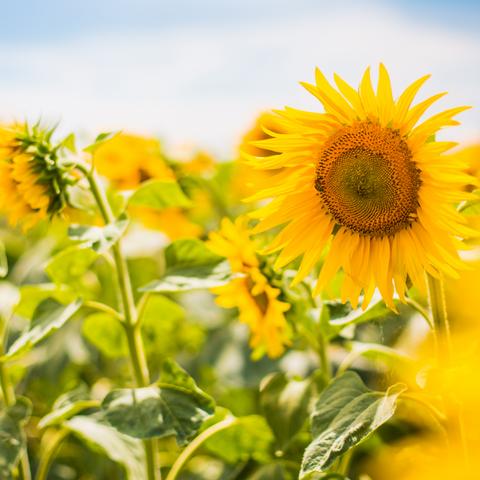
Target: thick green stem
pixel 443 346
pixel 195 444
pixel 322 351
pixel 135 342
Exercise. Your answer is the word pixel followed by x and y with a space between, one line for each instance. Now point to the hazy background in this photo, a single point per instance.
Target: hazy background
pixel 199 71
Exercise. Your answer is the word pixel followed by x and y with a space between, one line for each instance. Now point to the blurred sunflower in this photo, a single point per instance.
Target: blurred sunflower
pixel 127 161
pixel 256 300
pixel 32 180
pixel 367 176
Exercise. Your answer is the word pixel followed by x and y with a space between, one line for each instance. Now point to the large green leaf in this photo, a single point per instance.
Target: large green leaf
pixel 345 414
pixel 159 194
pixel 190 265
pixel 120 448
pixel 49 316
pixel 12 438
pixel 285 404
pixel 172 406
pixel 70 264
pixel 247 437
pixel 99 239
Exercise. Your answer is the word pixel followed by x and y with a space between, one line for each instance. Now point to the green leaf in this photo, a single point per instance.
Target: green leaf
pixel 173 406
pixel 122 449
pixel 248 437
pixel 190 265
pixel 12 438
pixel 99 141
pixel 285 404
pixel 49 316
pixel 99 239
pixel 345 414
pixel 3 261
pixel 70 264
pixel 69 143
pixel 66 406
pixel 107 334
pixel 165 330
pixel 159 194
pixel 274 471
pixel 32 295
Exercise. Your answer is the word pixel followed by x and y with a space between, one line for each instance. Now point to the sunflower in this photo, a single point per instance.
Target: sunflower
pixel 367 178
pixel 127 160
pixel 32 180
pixel 256 300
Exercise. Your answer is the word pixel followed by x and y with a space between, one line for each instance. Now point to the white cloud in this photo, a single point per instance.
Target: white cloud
pixel 204 83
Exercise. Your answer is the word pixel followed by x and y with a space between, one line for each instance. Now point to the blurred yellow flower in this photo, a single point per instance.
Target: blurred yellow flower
pixel 256 300
pixel 32 183
pixel 201 163
pixel 170 221
pixel 127 160
pixel 368 180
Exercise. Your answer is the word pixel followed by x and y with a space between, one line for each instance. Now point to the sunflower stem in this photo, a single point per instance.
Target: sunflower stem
pixel 136 348
pixel 443 347
pixel 51 450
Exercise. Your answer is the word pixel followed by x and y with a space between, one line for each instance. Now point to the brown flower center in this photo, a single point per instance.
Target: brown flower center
pixel 368 180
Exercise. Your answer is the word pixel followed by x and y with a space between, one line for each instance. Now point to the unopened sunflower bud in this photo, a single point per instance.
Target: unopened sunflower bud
pixel 33 178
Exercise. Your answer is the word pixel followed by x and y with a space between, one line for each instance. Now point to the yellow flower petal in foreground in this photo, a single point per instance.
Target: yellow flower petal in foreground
pixel 256 300
pixel 367 179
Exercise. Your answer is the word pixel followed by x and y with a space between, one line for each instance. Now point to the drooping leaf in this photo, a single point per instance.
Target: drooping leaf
pixel 66 406
pixel 49 316
pixel 99 239
pixel 12 437
pixel 159 194
pixel 70 264
pixel 345 413
pixel 285 404
pixel 247 438
pixel 190 265
pixel 172 406
pixel 101 437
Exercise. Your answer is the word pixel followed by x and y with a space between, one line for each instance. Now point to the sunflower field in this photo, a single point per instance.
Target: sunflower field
pixel 306 309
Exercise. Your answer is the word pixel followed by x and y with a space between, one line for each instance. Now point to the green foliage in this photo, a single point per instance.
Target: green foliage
pixel 247 438
pixel 190 265
pixel 3 261
pixel 286 405
pixel 172 406
pixel 99 239
pixel 165 330
pixel 12 437
pixel 66 406
pixel 99 141
pixel 159 194
pixel 70 264
pixel 345 414
pixel 49 316
pixel 101 437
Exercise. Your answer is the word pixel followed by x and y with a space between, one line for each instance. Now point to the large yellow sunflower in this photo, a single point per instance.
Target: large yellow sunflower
pixel 369 179
pixel 256 300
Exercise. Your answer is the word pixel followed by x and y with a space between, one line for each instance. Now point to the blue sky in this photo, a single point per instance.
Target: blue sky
pixel 198 72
